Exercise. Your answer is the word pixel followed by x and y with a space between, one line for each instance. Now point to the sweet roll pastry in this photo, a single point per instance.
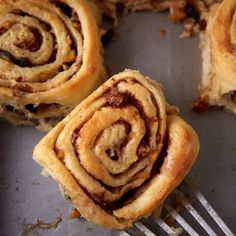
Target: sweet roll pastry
pixel 218 44
pixel 110 7
pixel 120 152
pixel 50 58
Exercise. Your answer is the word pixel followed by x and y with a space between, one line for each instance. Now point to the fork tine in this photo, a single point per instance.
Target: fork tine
pixel 197 216
pixel 209 208
pixel 181 220
pixel 141 228
pixel 133 231
pixel 144 229
pixel 164 226
pixel 124 233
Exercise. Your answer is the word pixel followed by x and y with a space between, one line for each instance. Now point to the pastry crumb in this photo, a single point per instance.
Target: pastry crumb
pixel 233 167
pixel 162 32
pixel 74 214
pixel 200 106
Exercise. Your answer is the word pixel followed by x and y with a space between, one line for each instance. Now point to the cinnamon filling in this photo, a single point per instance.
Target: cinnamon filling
pixel 32 45
pixel 74 137
pixel 131 194
pixel 114 98
pixel 143 149
pixel 21 61
pixel 114 152
pixel 5 27
pixel 63 7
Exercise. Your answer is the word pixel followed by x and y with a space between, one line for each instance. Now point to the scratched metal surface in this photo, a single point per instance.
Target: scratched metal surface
pixel 25 195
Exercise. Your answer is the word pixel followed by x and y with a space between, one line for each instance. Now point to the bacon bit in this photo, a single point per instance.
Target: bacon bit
pixel 143 150
pixel 75 214
pixel 200 106
pixel 114 98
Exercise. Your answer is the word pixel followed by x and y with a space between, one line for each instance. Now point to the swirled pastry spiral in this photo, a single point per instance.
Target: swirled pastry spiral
pixel 50 58
pixel 218 44
pixel 120 152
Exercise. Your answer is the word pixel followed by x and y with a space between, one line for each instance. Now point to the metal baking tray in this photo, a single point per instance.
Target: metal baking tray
pixel 25 195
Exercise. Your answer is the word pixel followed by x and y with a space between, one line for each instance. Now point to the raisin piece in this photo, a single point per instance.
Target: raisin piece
pixel 192 12
pixel 10 108
pixel 31 108
pixel 200 106
pixel 22 61
pixel 106 39
pixel 202 25
pixel 64 8
pixel 6 55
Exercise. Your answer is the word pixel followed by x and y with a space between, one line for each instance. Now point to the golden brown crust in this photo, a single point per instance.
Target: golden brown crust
pixel 181 153
pixel 119 153
pixel 219 56
pixel 50 57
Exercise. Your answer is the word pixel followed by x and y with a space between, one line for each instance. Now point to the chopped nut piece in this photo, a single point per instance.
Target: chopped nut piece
pixel 162 32
pixel 143 150
pixel 202 25
pixel 114 98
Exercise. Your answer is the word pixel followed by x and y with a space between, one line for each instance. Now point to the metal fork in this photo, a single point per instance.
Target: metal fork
pixel 184 195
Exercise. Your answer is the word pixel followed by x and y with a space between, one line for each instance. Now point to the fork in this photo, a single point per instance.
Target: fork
pixel 151 226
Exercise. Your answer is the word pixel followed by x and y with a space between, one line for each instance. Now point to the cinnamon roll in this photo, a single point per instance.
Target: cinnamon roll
pixel 50 58
pixel 175 7
pixel 179 10
pixel 218 44
pixel 120 152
